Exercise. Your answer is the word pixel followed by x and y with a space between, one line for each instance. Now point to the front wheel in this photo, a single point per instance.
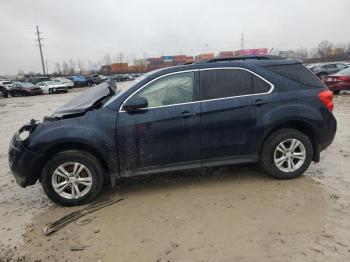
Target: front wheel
pixel 286 154
pixel 72 178
pixel 336 92
pixel 50 91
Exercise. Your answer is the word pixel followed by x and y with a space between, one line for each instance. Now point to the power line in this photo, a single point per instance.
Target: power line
pixel 41 51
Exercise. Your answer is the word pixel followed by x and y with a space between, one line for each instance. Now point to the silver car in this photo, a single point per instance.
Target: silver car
pixel 323 70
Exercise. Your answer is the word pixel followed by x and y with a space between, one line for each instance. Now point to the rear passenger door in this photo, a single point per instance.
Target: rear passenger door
pixel 229 98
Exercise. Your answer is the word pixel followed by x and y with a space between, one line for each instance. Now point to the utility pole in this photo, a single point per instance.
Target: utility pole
pixel 242 42
pixel 47 68
pixel 41 51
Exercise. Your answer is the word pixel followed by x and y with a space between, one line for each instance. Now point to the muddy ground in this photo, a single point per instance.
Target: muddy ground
pixel 227 214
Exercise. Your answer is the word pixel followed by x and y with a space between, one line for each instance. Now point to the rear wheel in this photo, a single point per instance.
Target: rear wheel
pixel 286 154
pixel 72 178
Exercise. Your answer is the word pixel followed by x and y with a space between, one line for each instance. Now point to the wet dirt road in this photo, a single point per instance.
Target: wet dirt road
pixel 227 214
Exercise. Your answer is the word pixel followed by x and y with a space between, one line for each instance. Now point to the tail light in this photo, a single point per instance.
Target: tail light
pixel 326 98
pixel 344 78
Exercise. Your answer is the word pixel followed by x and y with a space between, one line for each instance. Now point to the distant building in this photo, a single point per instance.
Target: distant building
pixel 226 54
pixel 202 57
pixel 256 51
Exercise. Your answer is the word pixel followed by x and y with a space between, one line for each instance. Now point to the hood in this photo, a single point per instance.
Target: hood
pixel 86 100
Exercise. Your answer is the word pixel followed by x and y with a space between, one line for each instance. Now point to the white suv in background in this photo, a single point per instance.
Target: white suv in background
pixel 65 81
pixel 6 84
pixel 52 87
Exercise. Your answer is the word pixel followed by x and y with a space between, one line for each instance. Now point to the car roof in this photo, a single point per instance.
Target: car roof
pixel 229 62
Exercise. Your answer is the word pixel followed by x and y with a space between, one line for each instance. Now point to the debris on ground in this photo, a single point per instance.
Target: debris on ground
pixel 74 216
pixel 163 257
pixel 78 248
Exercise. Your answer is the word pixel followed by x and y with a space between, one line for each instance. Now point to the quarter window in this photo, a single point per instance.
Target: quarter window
pixel 173 89
pixel 229 83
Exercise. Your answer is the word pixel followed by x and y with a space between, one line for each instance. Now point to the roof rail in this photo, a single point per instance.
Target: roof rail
pixel 238 58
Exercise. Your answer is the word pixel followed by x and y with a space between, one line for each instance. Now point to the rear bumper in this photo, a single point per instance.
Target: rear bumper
pixel 23 162
pixel 339 86
pixel 327 134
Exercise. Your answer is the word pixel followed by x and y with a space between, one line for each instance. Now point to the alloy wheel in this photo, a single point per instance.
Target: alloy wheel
pixel 289 155
pixel 72 180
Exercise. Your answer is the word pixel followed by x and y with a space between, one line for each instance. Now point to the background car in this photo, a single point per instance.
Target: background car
pixel 35 80
pixel 62 80
pixel 24 89
pixel 339 81
pixel 6 84
pixel 4 92
pixel 120 78
pixel 52 87
pixel 80 80
pixel 323 70
pixel 98 79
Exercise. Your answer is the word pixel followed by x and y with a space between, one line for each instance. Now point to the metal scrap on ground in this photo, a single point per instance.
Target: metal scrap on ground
pixel 74 216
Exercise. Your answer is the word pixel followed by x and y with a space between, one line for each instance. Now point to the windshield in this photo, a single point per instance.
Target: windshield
pixel 121 91
pixel 345 71
pixel 27 85
pixel 51 82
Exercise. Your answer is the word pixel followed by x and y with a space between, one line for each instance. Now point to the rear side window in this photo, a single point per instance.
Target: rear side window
pixel 298 73
pixel 230 82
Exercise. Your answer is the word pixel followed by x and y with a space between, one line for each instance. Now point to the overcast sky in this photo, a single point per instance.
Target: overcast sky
pixel 88 30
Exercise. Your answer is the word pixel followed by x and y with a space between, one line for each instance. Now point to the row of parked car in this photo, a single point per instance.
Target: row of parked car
pixel 51 85
pixel 335 75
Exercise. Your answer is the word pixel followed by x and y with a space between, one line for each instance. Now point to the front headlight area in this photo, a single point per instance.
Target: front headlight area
pixel 25 131
pixel 23 135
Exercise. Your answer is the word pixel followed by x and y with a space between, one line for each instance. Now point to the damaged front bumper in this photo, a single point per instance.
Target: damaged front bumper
pixel 22 161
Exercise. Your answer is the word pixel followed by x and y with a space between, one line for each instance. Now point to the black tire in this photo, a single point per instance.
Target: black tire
pixel 6 94
pixel 50 91
pixel 336 92
pixel 13 94
pixel 268 151
pixel 81 157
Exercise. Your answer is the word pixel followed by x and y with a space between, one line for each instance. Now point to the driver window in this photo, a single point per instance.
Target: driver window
pixel 173 89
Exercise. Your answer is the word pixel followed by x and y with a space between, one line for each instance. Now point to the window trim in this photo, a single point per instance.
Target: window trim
pixel 200 101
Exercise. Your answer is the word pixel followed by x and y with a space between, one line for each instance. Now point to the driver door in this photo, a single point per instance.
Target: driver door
pixel 165 135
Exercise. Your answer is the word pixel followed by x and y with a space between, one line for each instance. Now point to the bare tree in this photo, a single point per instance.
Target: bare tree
pixel 20 72
pixel 324 50
pixel 65 68
pixel 120 57
pixel 58 68
pixel 71 66
pixel 301 53
pixel 106 60
pixel 348 47
pixel 81 66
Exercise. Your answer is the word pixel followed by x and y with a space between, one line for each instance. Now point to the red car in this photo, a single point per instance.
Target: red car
pixel 25 89
pixel 339 81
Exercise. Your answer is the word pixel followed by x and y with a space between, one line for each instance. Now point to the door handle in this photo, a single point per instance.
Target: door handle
pixel 260 102
pixel 187 114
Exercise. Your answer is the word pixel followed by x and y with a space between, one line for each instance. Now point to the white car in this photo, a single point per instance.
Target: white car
pixel 51 87
pixel 7 84
pixel 63 80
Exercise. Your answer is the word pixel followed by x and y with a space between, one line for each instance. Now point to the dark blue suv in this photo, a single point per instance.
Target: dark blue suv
pixel 220 112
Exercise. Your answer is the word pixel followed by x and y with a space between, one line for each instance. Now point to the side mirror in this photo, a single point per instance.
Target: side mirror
pixel 135 103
